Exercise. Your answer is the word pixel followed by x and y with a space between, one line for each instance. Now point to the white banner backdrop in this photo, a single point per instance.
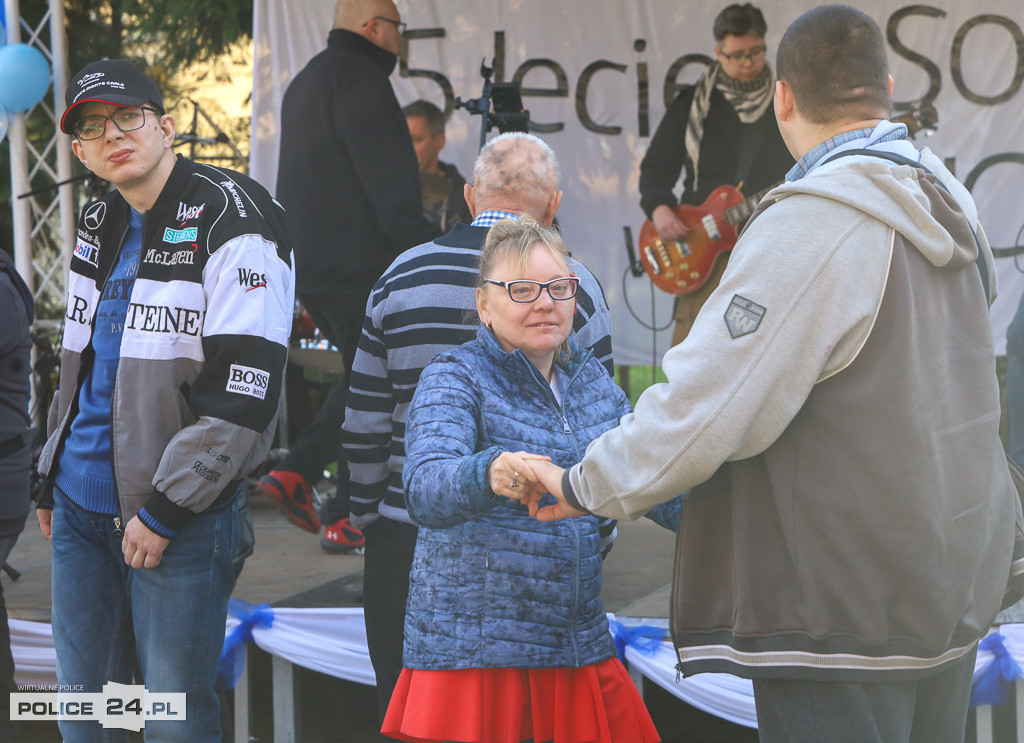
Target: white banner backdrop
pixel 597 74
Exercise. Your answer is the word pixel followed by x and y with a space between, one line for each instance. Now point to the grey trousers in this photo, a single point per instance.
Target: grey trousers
pixel 930 710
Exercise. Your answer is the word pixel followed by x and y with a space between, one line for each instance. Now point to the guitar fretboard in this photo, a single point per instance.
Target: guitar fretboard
pixel 739 213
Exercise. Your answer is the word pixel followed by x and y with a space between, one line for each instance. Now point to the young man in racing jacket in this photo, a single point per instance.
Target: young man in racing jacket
pixel 179 306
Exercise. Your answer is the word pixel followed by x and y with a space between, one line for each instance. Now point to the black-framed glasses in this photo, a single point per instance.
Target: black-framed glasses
pixel 752 54
pixel 125 119
pixel 524 290
pixel 400 25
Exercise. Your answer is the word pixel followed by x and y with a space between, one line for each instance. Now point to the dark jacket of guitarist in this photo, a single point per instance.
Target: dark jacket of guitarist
pixel 721 131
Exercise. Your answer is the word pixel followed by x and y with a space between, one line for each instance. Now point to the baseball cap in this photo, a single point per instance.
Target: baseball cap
pixel 115 81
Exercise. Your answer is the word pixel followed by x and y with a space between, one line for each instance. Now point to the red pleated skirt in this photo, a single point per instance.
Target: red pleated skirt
pixel 592 704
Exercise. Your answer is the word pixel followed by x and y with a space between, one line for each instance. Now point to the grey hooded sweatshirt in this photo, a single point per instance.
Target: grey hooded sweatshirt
pixel 834 414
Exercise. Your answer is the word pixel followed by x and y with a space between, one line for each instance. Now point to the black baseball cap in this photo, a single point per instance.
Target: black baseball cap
pixel 115 81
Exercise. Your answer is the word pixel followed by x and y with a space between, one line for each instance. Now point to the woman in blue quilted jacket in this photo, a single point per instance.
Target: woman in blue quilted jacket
pixel 504 617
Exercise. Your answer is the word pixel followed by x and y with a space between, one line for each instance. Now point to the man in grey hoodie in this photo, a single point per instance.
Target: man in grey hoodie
pixel 851 528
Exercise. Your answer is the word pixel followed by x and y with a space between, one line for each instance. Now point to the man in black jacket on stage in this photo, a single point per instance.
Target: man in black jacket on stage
pixel 349 181
pixel 720 131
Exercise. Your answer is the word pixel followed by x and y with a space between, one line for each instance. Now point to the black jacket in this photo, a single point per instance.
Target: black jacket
pixel 16 309
pixel 719 154
pixel 347 175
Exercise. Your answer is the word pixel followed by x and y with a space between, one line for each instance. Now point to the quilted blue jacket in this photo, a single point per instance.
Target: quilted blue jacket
pixel 491 586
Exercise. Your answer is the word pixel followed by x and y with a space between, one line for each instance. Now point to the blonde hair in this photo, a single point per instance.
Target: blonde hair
pixel 512 240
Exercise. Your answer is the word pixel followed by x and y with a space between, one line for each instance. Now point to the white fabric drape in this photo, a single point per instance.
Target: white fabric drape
pixel 605 48
pixel 333 642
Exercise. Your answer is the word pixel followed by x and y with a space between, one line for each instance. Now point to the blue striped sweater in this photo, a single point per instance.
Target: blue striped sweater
pixel 424 304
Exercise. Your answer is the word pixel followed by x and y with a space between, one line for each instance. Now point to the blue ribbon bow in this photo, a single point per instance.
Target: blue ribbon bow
pixel 643 637
pixel 992 685
pixel 232 657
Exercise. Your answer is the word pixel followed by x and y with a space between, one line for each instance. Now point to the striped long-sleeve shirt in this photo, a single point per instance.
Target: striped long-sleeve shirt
pixel 425 303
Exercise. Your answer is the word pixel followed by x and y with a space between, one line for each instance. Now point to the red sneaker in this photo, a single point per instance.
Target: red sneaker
pixel 341 538
pixel 294 497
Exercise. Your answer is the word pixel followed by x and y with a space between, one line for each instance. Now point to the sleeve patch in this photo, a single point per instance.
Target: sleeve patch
pixel 742 316
pixel 246 380
pixel 87 252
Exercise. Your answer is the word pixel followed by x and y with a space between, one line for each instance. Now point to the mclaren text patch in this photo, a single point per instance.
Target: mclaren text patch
pixel 743 317
pixel 248 381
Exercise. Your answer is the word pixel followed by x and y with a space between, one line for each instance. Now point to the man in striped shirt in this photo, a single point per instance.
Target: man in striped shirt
pixel 425 303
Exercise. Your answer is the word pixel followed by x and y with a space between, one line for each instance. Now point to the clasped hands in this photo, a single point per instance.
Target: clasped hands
pixel 525 478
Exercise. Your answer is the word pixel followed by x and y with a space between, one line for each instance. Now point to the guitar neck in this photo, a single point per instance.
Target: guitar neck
pixel 739 213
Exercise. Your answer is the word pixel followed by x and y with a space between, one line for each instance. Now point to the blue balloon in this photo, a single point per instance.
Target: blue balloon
pixel 24 77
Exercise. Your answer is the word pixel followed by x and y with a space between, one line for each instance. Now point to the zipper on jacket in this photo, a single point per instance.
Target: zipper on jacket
pixel 672 629
pixel 118 519
pixel 575 593
pixel 64 426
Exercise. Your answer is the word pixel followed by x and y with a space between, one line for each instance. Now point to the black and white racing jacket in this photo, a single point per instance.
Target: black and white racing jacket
pixel 204 345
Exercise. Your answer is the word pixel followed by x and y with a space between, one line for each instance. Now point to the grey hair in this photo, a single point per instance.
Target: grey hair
pixel 514 163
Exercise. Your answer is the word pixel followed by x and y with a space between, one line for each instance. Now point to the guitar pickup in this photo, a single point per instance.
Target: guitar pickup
pixel 711 227
pixel 651 260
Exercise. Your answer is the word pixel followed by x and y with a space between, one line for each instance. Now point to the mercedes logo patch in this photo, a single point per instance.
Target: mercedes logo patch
pixel 94 216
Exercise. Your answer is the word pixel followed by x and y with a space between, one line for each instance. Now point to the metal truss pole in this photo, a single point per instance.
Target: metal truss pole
pixel 44 221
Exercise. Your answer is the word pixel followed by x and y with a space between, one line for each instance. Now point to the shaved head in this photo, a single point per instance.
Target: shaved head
pixel 352 14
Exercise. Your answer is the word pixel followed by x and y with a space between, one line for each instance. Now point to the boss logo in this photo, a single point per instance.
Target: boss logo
pixel 186 212
pixel 251 279
pixel 245 380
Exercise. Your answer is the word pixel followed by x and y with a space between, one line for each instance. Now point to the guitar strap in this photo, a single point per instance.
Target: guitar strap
pixel 900 160
pixel 750 143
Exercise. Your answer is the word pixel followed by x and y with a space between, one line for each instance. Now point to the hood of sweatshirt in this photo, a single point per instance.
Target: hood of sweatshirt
pixel 931 210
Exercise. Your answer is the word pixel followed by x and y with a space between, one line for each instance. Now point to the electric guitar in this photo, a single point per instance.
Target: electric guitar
pixel 683 266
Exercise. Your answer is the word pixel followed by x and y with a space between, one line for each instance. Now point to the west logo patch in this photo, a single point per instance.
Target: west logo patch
pixel 248 381
pixel 743 317
pixel 186 212
pixel 190 234
pixel 251 279
pixel 87 252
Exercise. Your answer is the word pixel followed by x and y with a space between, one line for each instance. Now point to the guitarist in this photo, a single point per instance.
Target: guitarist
pixel 722 130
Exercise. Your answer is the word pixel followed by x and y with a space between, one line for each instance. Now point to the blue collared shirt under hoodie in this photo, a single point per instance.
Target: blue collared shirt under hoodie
pixel 86 473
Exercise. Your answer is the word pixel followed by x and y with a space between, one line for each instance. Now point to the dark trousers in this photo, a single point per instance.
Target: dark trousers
pixel 340 319
pixel 386 567
pixel 7 686
pixel 930 710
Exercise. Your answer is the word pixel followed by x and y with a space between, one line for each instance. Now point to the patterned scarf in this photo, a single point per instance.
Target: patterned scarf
pixel 749 99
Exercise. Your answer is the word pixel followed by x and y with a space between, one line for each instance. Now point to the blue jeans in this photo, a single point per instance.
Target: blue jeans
pixel 170 619
pixel 1015 385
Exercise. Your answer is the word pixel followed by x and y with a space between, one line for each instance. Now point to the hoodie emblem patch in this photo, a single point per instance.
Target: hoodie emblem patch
pixel 743 317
